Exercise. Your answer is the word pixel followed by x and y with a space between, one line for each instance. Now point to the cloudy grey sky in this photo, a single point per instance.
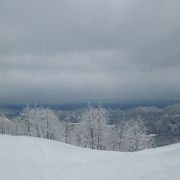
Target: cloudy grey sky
pixel 54 51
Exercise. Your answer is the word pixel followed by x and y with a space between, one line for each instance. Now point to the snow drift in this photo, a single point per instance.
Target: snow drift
pixel 27 158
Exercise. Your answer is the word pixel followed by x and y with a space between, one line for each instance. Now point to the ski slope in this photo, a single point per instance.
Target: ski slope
pixel 27 158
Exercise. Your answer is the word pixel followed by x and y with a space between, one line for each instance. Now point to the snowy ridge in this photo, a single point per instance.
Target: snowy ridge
pixel 27 158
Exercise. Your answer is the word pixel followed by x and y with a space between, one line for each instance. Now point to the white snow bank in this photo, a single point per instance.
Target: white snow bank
pixel 27 158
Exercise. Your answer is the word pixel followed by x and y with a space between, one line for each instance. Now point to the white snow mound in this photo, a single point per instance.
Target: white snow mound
pixel 27 158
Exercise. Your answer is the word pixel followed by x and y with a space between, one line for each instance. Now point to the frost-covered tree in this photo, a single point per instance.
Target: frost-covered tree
pixel 130 135
pixel 67 128
pixel 117 140
pixel 92 131
pixel 40 122
pixel 102 128
pixel 25 120
pixel 77 135
pixel 135 136
pixel 6 126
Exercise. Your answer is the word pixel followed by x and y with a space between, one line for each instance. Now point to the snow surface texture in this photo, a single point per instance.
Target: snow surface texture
pixel 27 158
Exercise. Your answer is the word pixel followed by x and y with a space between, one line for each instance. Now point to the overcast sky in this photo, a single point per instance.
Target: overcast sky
pixel 56 51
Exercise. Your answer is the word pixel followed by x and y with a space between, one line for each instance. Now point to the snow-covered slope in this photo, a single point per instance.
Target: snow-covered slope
pixel 27 158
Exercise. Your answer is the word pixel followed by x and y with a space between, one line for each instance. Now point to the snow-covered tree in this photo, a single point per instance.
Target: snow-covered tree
pixel 92 131
pixel 65 128
pixel 40 122
pixel 6 126
pixel 135 136
pixel 117 140
pixel 25 120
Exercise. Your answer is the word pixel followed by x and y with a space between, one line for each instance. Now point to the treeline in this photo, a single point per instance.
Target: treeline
pixel 92 131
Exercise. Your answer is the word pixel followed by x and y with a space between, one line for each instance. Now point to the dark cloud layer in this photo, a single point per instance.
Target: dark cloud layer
pixel 55 51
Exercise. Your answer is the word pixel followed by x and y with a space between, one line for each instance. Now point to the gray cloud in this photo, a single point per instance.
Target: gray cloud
pixel 57 51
